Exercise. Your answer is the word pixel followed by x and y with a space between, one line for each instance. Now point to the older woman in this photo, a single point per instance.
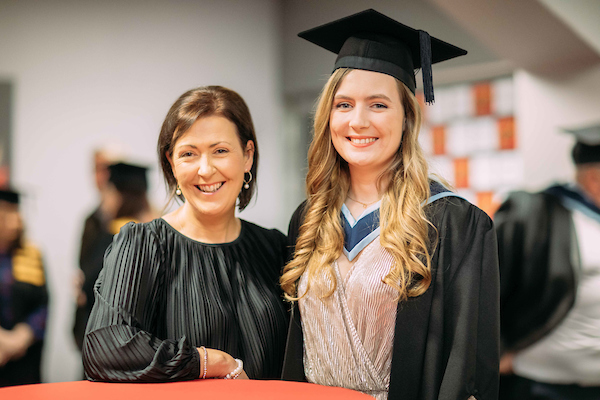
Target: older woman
pixel 194 294
pixel 395 277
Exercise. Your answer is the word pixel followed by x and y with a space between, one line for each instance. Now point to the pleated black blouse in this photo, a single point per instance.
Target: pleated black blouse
pixel 161 295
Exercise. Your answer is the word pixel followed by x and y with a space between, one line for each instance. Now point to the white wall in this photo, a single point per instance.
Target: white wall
pixel 543 109
pixel 89 71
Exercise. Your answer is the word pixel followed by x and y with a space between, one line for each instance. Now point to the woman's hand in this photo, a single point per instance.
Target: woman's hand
pixel 218 364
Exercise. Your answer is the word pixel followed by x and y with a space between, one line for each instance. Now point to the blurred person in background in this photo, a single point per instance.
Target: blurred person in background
pixel 23 299
pixel 95 231
pixel 194 294
pixel 549 244
pixel 394 278
pixel 124 199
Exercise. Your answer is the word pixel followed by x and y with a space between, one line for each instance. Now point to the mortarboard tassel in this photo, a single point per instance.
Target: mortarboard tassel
pixel 425 44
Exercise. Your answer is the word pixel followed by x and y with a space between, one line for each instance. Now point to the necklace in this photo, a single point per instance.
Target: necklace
pixel 365 205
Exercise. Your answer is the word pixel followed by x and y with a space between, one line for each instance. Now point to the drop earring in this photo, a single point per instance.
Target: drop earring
pixel 247 182
pixel 178 191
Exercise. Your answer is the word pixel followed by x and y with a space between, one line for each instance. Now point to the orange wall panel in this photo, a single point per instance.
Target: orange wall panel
pixel 461 173
pixel 506 130
pixel 482 94
pixel 438 134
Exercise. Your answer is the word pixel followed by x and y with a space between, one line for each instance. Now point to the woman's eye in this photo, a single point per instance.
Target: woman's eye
pixel 221 151
pixel 186 154
pixel 380 105
pixel 342 105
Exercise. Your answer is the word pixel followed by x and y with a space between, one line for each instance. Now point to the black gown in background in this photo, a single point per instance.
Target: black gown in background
pixel 94 241
pixel 161 295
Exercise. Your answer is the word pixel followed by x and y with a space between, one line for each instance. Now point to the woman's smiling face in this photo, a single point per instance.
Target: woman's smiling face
pixel 209 163
pixel 367 120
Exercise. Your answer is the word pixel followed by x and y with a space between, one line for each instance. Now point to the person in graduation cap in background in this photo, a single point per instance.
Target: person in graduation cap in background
pixel 128 190
pixel 194 294
pixel 95 231
pixel 23 299
pixel 124 200
pixel 394 278
pixel 549 247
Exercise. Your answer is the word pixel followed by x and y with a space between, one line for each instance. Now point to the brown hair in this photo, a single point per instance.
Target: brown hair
pixel 134 204
pixel 404 225
pixel 199 103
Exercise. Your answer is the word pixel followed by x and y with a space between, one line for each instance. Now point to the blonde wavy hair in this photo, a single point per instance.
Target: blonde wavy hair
pixel 404 225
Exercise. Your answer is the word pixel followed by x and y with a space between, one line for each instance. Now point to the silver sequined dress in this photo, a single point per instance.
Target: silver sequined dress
pixel 348 336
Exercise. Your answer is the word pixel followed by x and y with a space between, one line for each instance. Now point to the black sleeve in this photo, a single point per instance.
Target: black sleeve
pixel 535 242
pixel 512 220
pixel 468 262
pixel 92 227
pixel 120 344
pixel 293 364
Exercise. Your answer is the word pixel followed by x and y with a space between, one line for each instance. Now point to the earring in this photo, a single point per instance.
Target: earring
pixel 178 191
pixel 247 182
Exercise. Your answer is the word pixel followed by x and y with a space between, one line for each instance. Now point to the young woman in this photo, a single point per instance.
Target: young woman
pixel 394 277
pixel 194 294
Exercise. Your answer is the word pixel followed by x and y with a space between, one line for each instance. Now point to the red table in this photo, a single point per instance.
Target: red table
pixel 206 389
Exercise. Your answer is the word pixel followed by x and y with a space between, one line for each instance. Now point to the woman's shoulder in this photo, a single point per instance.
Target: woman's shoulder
pixel 298 214
pixel 141 228
pixel 456 210
pixel 149 233
pixel 268 234
pixel 465 238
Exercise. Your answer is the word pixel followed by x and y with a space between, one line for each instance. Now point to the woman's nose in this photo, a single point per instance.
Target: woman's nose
pixel 206 167
pixel 359 119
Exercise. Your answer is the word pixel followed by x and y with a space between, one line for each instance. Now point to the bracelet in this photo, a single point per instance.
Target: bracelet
pixel 205 361
pixel 237 371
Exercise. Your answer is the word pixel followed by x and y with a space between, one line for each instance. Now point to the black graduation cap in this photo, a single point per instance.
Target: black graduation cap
pixel 9 196
pixel 372 41
pixel 128 177
pixel 587 147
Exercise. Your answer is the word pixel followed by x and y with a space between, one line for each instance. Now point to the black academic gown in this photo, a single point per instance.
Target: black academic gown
pixel 537 250
pixel 94 241
pixel 538 263
pixel 446 343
